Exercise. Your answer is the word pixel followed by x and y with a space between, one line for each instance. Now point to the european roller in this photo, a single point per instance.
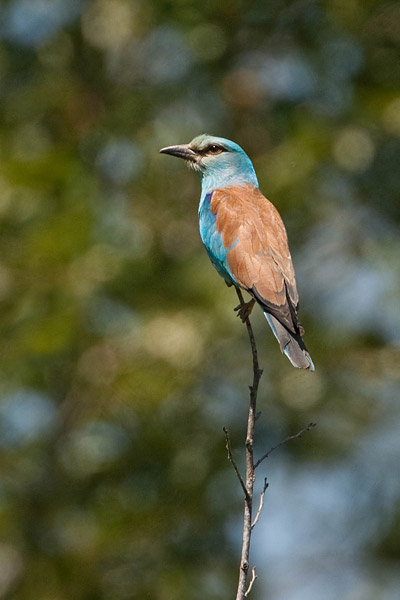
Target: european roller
pixel 245 238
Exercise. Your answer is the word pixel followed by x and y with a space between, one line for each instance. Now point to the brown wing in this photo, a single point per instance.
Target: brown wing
pixel 259 258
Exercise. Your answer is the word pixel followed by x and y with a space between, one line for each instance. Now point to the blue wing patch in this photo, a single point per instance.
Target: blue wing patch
pixel 212 240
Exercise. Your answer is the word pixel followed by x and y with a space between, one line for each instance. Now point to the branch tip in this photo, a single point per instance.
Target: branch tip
pixel 282 442
pixel 232 461
pixel 253 578
pixel 261 504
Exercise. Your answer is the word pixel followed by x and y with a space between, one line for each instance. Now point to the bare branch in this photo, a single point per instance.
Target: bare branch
pixel 287 439
pixel 253 578
pixel 232 461
pixel 260 506
pixel 250 476
pixel 248 484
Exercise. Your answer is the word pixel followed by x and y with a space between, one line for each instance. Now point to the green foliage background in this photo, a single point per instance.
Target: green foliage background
pixel 121 356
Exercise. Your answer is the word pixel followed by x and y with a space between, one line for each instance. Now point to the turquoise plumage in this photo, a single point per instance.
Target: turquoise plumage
pixel 212 239
pixel 245 237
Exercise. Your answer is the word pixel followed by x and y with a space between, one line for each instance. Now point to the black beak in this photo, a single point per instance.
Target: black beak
pixel 182 151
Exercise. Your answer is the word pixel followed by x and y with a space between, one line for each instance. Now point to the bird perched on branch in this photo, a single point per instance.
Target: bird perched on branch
pixel 245 238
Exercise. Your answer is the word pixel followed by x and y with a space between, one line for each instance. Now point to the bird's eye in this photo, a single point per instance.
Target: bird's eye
pixel 214 149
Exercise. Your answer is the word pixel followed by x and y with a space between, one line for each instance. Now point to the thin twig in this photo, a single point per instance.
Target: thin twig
pixel 232 461
pixel 250 476
pixel 248 485
pixel 260 506
pixel 253 578
pixel 287 439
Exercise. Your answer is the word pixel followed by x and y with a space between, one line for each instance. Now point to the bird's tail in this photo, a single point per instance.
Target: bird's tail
pixel 291 344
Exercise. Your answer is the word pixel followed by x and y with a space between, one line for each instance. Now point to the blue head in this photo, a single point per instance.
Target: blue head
pixel 221 163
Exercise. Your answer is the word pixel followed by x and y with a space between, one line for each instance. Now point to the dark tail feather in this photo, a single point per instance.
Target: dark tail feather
pixel 292 345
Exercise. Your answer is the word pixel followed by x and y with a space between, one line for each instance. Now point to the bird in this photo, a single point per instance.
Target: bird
pixel 245 238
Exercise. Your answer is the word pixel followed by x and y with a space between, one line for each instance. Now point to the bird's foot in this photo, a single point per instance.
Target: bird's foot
pixel 244 310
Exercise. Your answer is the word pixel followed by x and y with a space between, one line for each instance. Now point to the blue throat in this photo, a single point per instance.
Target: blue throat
pixel 234 169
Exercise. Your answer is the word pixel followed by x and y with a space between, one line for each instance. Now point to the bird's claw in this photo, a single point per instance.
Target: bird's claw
pixel 244 310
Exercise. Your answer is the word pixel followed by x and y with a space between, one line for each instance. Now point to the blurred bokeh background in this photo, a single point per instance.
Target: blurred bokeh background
pixel 122 358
